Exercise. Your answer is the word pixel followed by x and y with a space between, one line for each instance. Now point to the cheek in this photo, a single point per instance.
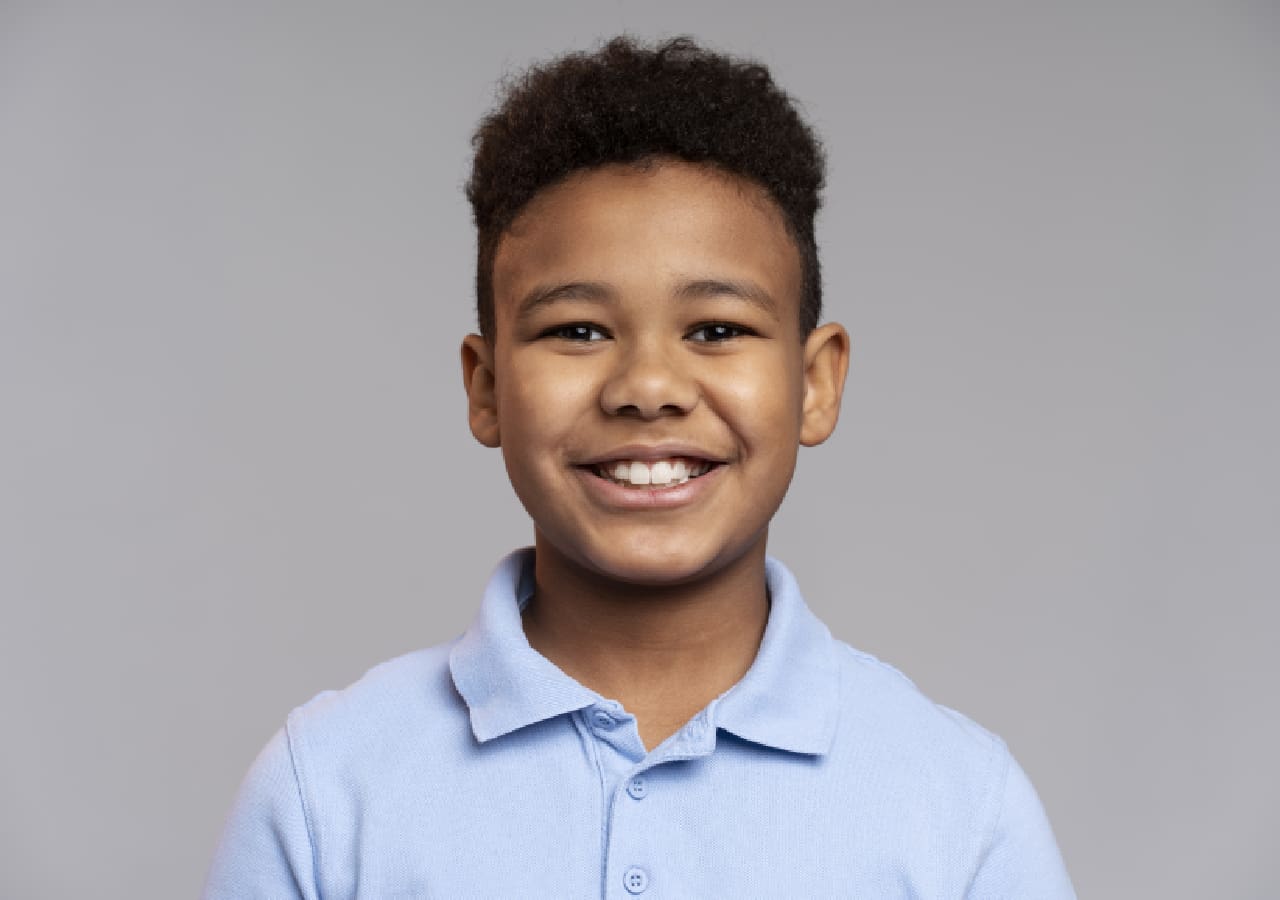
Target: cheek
pixel 541 404
pixel 764 399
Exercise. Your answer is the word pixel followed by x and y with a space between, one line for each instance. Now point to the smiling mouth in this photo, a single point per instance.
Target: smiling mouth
pixel 663 473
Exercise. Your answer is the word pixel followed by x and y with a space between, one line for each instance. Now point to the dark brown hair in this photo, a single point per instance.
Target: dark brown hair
pixel 630 103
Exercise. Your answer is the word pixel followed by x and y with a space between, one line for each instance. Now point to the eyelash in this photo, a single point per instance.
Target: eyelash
pixel 572 331
pixel 563 331
pixel 736 331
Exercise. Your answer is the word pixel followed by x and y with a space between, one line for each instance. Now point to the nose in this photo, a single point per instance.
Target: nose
pixel 649 382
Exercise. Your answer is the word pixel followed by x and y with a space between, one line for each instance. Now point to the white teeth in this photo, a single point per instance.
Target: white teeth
pixel 660 473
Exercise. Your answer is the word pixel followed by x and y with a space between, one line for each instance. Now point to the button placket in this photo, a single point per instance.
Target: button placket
pixel 619 753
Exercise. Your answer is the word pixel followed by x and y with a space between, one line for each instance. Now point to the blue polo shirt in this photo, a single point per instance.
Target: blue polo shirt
pixel 479 769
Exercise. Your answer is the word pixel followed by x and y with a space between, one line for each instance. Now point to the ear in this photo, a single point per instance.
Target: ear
pixel 826 361
pixel 482 397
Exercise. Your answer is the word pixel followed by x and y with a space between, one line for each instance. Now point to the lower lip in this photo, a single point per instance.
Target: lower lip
pixel 613 494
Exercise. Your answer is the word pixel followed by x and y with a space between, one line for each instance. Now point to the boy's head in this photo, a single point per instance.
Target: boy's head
pixel 631 104
pixel 649 361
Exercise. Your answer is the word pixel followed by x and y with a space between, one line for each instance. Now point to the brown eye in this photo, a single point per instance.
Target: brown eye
pixel 576 331
pixel 714 332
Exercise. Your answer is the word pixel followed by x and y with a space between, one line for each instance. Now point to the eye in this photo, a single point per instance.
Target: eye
pixel 715 332
pixel 576 331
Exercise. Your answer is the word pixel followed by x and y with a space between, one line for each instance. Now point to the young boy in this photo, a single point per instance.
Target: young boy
pixel 644 705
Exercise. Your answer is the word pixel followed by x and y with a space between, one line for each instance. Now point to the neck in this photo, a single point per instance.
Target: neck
pixel 663 651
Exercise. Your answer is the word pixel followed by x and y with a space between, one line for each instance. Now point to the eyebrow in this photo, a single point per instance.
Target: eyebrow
pixel 742 290
pixel 696 289
pixel 545 295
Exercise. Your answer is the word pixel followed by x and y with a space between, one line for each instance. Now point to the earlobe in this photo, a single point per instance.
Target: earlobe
pixel 480 384
pixel 826 362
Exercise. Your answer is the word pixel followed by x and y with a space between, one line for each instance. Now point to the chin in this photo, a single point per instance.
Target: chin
pixel 655 575
pixel 657 566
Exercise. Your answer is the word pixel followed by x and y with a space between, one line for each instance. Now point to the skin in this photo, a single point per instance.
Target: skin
pixel 638 307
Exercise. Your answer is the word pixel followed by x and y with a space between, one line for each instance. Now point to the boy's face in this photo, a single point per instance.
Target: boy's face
pixel 647 328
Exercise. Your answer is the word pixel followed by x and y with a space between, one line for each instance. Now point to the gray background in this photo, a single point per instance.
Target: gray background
pixel 235 266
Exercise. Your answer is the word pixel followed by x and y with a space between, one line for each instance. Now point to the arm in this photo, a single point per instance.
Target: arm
pixel 1021 859
pixel 266 849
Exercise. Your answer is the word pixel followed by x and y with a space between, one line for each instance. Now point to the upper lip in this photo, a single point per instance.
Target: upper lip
pixel 648 453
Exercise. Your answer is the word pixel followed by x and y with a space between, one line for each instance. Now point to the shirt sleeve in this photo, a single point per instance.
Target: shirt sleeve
pixel 265 850
pixel 1022 859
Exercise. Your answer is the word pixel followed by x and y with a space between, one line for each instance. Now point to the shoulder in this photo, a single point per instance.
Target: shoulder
pixel 874 690
pixel 950 785
pixel 409 699
pixel 890 726
pixel 336 755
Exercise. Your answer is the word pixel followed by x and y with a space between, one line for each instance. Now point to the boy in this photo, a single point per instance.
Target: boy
pixel 644 705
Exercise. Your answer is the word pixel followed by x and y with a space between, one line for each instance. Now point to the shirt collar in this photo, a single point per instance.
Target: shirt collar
pixel 506 683
pixel 787 699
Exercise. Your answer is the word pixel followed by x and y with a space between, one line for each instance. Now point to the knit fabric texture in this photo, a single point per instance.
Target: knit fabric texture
pixel 479 769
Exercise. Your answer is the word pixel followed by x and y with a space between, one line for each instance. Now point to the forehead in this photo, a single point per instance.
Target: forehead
pixel 649 226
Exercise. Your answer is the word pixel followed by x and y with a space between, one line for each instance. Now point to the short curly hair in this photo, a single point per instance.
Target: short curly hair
pixel 634 104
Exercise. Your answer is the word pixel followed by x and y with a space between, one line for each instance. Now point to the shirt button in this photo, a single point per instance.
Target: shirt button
pixel 637 788
pixel 635 880
pixel 603 719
